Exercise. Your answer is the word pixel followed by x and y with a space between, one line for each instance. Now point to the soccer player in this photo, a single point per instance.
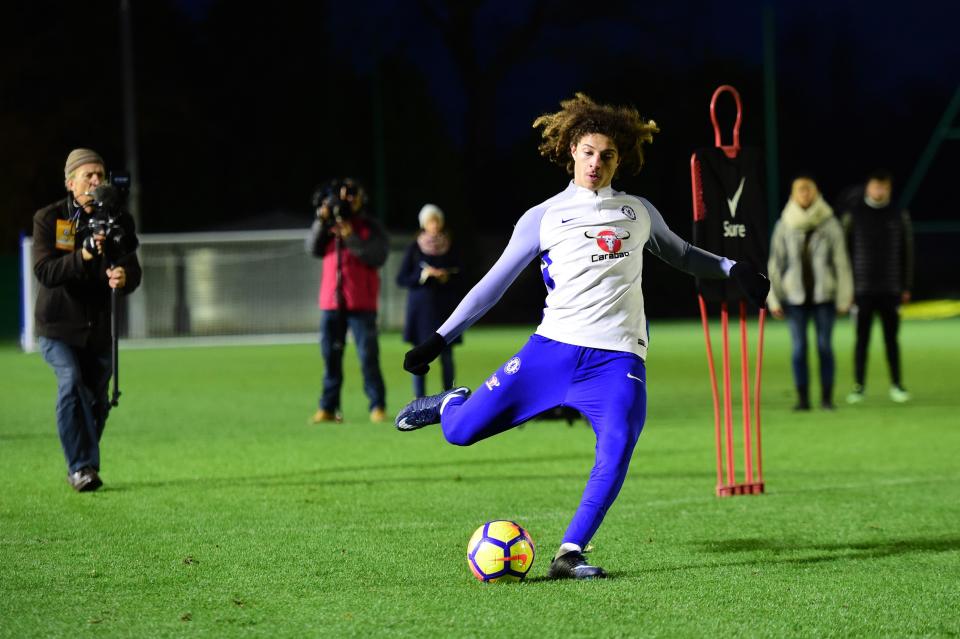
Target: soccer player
pixel 588 351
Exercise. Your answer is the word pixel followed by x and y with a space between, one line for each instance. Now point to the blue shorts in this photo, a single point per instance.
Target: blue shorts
pixel 608 387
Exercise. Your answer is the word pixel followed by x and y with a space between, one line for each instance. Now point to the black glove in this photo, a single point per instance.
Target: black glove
pixel 751 281
pixel 417 360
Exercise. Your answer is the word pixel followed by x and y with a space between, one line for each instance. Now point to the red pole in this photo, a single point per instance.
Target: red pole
pixel 745 395
pixel 713 389
pixel 756 393
pixel 727 402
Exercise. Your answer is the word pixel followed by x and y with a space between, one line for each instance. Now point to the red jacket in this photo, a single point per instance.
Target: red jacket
pixel 361 254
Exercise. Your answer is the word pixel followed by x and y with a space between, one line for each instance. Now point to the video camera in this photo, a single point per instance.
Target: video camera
pixel 109 204
pixel 332 196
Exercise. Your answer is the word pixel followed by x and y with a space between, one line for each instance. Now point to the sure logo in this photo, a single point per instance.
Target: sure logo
pixel 734 230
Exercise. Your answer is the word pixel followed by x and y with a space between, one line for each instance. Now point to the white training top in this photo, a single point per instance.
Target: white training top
pixel 590 245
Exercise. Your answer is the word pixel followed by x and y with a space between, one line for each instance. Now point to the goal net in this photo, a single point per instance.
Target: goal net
pixel 223 287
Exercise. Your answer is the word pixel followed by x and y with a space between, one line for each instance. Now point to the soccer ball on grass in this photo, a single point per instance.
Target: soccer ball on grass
pixel 500 550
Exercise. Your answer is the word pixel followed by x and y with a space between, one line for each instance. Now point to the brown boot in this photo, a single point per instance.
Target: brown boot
pixel 325 416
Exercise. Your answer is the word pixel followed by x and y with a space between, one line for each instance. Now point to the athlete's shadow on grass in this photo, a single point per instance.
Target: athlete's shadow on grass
pixel 823 552
pixel 381 473
pixel 377 474
pixel 828 552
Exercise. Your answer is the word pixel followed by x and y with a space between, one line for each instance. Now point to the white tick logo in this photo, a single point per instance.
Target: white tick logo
pixel 634 377
pixel 736 198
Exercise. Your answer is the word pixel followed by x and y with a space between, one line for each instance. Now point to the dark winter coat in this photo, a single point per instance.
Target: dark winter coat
pixel 880 243
pixel 430 302
pixel 73 304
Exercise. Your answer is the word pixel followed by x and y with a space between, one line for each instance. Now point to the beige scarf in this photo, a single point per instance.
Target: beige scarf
pixel 809 218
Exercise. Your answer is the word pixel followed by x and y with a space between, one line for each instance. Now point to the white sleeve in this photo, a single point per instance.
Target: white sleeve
pixel 680 254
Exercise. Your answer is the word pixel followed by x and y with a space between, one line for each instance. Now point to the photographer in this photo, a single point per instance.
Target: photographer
pixel 79 257
pixel 352 246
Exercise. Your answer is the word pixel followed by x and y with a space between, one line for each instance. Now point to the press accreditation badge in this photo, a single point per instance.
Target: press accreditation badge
pixel 66 233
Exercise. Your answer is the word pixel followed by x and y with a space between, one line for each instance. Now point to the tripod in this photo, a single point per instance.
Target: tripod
pixel 114 347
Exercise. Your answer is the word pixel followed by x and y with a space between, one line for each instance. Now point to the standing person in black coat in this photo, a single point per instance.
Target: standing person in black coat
pixel 431 270
pixel 73 311
pixel 880 241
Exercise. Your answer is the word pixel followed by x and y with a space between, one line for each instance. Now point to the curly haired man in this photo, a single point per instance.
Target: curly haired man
pixel 588 352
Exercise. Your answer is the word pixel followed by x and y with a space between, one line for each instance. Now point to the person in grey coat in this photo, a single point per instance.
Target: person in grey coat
pixel 810 278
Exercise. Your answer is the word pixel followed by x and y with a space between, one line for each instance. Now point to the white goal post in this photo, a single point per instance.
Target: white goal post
pixel 225 286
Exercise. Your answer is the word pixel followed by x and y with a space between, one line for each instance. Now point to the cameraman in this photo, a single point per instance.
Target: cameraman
pixel 352 246
pixel 73 311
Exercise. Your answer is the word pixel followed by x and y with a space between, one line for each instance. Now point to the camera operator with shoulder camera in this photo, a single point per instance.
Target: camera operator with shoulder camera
pixel 83 248
pixel 352 247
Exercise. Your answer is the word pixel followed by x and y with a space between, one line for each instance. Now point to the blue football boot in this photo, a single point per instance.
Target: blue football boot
pixel 424 411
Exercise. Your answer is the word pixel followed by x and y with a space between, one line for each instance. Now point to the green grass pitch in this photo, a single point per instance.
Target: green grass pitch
pixel 224 514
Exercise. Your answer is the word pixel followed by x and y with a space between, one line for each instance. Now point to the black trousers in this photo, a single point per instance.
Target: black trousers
pixel 887 307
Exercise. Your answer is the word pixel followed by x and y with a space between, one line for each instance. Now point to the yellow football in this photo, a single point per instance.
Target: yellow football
pixel 500 550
